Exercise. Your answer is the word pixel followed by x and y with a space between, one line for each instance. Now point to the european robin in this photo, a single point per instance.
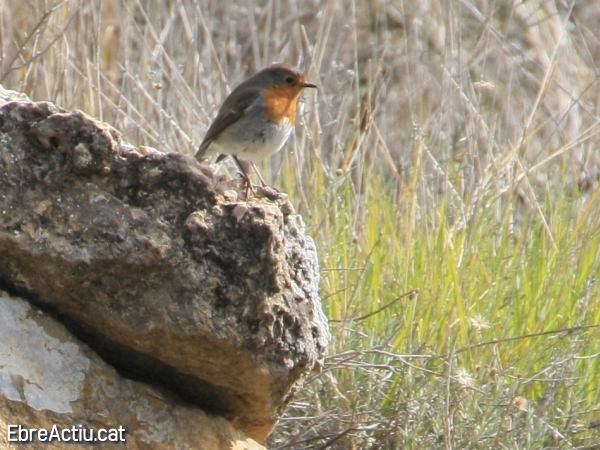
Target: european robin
pixel 257 118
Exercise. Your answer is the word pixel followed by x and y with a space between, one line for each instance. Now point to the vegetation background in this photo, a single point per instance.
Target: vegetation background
pixel 447 169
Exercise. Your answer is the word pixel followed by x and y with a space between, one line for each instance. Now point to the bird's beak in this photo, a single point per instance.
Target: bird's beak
pixel 310 85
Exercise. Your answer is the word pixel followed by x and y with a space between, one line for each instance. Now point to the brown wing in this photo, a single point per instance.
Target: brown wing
pixel 233 109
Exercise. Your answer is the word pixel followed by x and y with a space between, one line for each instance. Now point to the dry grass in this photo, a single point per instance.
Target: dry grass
pixel 452 147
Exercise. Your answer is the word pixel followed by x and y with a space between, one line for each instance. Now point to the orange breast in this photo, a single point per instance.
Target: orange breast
pixel 280 102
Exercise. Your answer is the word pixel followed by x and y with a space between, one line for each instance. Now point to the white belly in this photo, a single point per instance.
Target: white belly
pixel 254 142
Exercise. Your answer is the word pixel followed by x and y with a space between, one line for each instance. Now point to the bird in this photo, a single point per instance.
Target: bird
pixel 256 118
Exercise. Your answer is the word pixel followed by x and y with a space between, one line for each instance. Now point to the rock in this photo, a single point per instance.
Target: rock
pixel 52 381
pixel 6 95
pixel 170 280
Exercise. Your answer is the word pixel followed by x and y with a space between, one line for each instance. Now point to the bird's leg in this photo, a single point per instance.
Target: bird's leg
pixel 259 175
pixel 245 176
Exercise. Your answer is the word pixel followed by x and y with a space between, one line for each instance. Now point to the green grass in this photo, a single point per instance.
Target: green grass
pixel 499 349
pixel 447 169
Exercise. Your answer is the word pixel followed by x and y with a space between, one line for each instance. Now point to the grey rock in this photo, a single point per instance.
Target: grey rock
pixel 49 380
pixel 169 278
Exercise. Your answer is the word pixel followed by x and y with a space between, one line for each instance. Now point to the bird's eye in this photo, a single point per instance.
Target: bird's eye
pixel 289 80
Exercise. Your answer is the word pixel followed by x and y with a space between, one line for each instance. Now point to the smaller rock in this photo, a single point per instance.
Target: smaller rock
pixel 50 379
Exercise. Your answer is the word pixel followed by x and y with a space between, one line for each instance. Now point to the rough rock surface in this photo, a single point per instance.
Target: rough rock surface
pixel 167 279
pixel 50 379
